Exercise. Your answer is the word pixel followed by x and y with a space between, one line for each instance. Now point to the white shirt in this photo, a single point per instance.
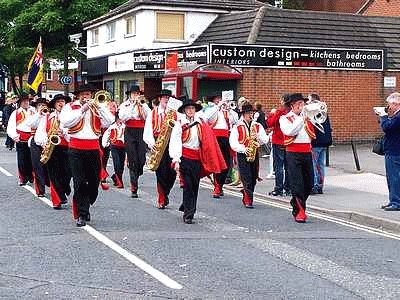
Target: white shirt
pixel 294 125
pixel 262 137
pixel 129 110
pixel 105 140
pixel 213 114
pixel 12 122
pixel 176 144
pixel 70 117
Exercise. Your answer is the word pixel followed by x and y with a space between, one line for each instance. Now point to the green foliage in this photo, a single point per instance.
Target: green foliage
pixel 293 4
pixel 22 23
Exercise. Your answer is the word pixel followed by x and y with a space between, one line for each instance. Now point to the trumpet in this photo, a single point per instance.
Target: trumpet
pixel 140 100
pixel 232 104
pixel 228 105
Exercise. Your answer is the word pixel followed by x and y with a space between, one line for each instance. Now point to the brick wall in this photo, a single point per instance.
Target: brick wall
pixel 347 6
pixel 55 85
pixel 350 95
pixel 383 8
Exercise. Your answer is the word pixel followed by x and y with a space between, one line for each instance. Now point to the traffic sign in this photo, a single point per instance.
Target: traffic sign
pixel 66 80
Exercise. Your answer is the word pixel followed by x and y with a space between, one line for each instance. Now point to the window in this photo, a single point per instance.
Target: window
pixel 49 75
pixel 95 36
pixel 130 26
pixel 170 26
pixel 110 32
pixel 109 87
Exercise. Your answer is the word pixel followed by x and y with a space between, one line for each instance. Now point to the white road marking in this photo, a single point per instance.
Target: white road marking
pixel 317 215
pixel 5 172
pixel 161 277
pixel 164 279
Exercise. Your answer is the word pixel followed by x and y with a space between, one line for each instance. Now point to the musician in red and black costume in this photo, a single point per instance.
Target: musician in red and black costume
pixel 57 166
pixel 299 132
pixel 20 133
pixel 244 131
pixel 221 119
pixel 113 137
pixel 134 114
pixel 84 122
pixel 39 171
pixel 165 174
pixel 194 151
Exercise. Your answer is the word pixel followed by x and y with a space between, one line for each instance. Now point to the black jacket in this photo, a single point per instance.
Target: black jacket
pixel 323 139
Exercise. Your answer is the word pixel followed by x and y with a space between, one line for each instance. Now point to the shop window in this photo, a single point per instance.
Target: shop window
pixel 130 26
pixel 170 26
pixel 109 87
pixel 187 86
pixel 95 36
pixel 49 75
pixel 111 32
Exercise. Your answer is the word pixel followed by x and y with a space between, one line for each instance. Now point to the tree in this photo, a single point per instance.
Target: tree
pixel 293 4
pixel 23 22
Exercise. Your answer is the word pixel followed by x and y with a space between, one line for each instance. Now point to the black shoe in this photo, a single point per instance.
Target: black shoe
pixel 57 207
pixel 88 217
pixel 188 221
pixel 181 208
pixel 222 193
pixel 314 191
pixel 288 193
pixel 134 195
pixel 384 206
pixel 275 193
pixel 320 191
pixel 249 206
pixel 23 183
pixel 391 208
pixel 80 222
pixel 40 195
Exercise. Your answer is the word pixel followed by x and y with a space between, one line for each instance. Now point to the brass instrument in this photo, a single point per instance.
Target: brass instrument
pixel 232 104
pixel 317 112
pixel 140 100
pixel 253 144
pixel 162 141
pixel 101 97
pixel 52 140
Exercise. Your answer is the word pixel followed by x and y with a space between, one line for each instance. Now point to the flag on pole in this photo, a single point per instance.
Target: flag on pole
pixel 35 69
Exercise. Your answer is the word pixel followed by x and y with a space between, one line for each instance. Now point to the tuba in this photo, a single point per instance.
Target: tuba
pixel 52 140
pixel 317 112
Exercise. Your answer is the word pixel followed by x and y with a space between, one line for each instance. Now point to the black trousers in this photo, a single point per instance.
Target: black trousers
pixel 104 159
pixel 39 171
pixel 166 176
pixel 190 173
pixel 301 177
pixel 59 172
pixel 136 152
pixel 248 175
pixel 223 143
pixel 85 167
pixel 118 156
pixel 24 162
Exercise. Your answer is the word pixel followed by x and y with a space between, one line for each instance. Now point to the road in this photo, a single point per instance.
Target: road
pixel 230 253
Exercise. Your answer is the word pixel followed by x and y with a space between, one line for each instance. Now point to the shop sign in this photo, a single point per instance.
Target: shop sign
pixel 297 57
pixel 186 58
pixel 120 63
pixel 169 84
pixel 148 61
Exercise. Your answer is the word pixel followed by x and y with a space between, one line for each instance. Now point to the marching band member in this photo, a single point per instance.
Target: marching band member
pixel 299 133
pixel 20 133
pixel 84 121
pixel 39 172
pixel 155 122
pixel 114 138
pixel 221 119
pixel 195 153
pixel 245 138
pixel 58 168
pixel 134 113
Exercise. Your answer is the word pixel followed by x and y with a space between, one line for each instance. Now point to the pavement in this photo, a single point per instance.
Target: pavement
pixel 229 253
pixel 348 193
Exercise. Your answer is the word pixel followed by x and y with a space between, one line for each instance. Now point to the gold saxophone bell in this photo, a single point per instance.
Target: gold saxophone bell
pixel 55 140
pixel 45 110
pixel 141 100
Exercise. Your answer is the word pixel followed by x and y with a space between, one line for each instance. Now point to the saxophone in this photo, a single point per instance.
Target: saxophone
pixel 252 145
pixel 162 141
pixel 52 140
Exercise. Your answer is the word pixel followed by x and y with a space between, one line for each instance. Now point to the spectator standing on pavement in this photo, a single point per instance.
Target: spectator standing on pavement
pixel 390 124
pixel 319 146
pixel 9 107
pixel 278 150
